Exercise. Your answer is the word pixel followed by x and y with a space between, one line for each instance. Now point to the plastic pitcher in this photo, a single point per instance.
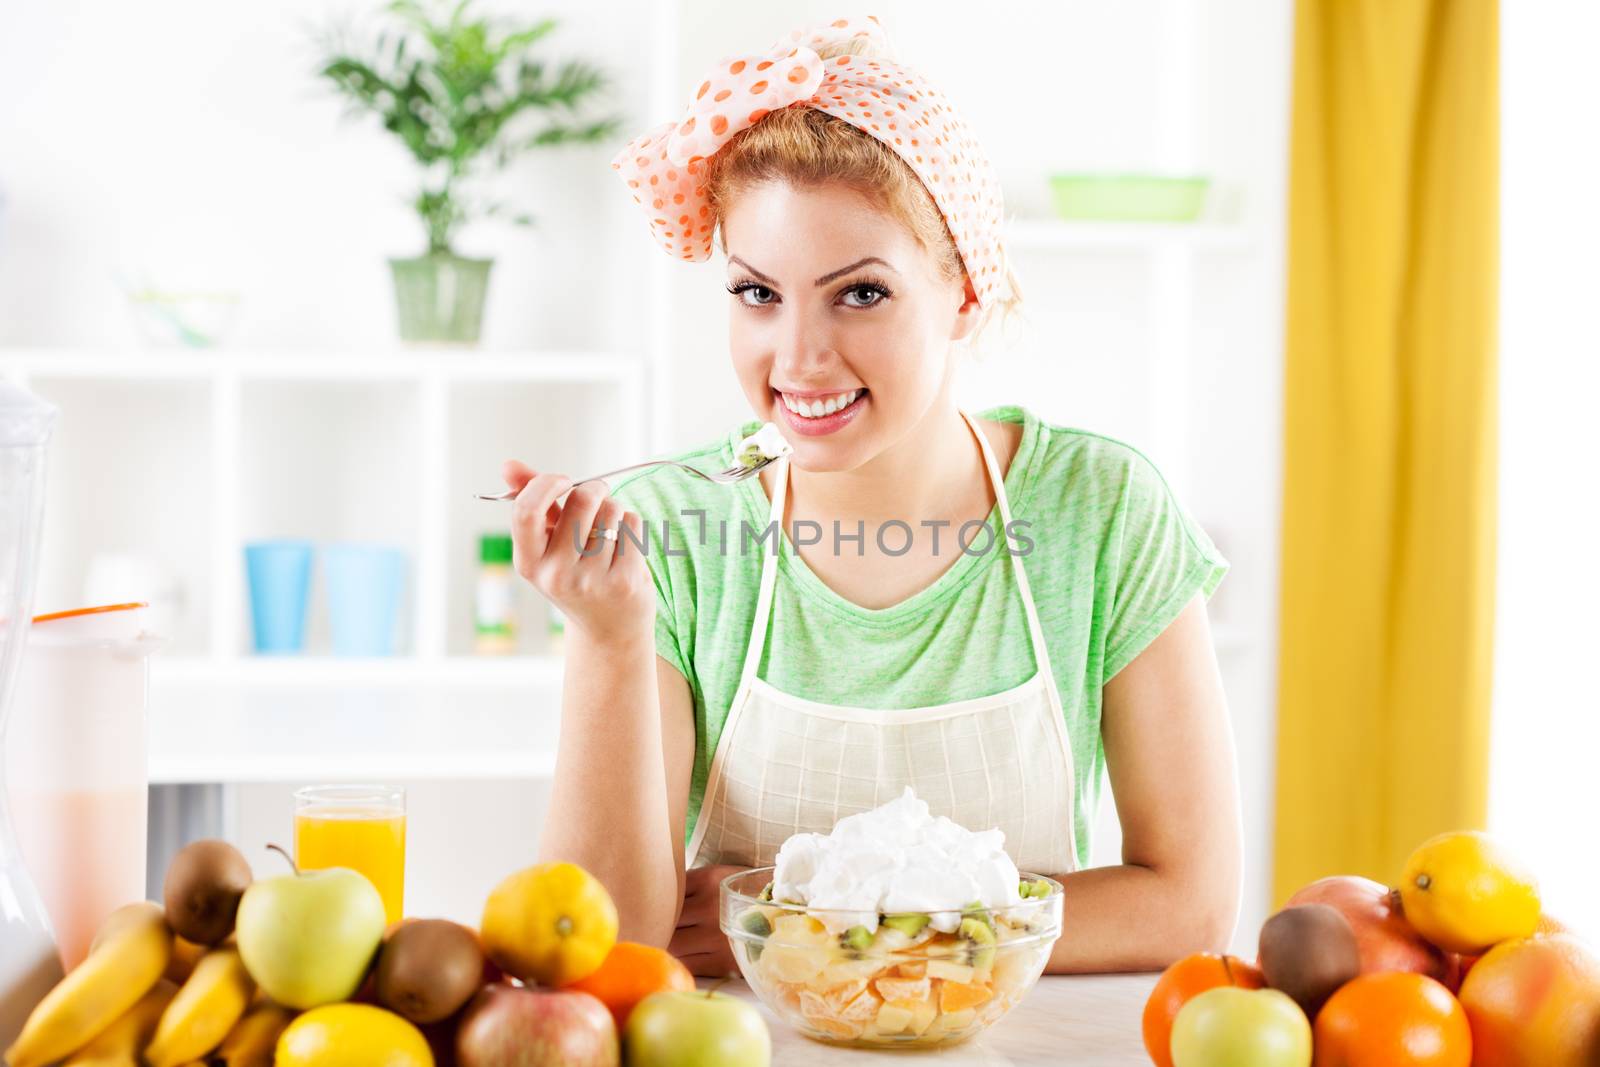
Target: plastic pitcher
pixel 77 773
pixel 29 963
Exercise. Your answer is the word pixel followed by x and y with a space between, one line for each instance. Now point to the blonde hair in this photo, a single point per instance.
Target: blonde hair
pixel 805 147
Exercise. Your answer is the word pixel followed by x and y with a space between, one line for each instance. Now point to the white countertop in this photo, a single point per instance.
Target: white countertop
pixel 1091 1019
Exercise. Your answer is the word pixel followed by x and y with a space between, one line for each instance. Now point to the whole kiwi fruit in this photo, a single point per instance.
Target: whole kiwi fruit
pixel 1308 952
pixel 204 883
pixel 428 969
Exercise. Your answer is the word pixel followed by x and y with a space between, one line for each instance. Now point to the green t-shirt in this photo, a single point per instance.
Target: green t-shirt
pixel 1114 559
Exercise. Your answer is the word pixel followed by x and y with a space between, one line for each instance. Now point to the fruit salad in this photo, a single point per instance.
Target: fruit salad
pixel 907 982
pixel 897 928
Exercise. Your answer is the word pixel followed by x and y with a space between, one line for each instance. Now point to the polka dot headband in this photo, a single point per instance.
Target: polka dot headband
pixel 665 168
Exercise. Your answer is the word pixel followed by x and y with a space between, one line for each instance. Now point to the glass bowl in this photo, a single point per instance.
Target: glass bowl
pixel 908 984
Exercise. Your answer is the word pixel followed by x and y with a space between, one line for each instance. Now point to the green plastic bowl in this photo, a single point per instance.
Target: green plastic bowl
pixel 1126 197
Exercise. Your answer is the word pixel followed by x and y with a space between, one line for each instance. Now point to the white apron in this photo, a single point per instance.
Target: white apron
pixel 786 765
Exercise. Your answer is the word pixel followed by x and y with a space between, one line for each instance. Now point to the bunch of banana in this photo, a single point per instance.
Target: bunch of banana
pixel 120 1043
pixel 126 962
pixel 253 1042
pixel 208 1006
pixel 185 954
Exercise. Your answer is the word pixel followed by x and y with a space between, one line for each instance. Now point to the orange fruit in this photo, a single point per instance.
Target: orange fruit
pixel 1397 1019
pixel 1181 983
pixel 630 973
pixel 1535 1002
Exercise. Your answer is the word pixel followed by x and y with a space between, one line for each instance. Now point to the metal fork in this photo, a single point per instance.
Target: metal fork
pixel 736 473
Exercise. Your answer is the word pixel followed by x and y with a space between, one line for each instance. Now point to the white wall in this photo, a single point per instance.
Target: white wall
pixel 191 138
pixel 1546 728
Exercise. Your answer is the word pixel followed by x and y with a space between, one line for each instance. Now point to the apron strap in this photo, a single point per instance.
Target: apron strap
pixel 769 577
pixel 1041 655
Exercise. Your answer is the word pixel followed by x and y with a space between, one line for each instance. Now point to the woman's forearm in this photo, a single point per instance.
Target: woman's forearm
pixel 608 806
pixel 1132 918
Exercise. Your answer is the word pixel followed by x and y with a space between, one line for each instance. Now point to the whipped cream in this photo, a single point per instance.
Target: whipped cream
pixel 896 859
pixel 766 443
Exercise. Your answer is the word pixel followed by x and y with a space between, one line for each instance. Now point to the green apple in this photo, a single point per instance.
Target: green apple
pixel 1229 1026
pixel 688 1028
pixel 308 939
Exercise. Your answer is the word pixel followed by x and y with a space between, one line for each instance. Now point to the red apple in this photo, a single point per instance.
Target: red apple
pixel 1385 940
pixel 508 1026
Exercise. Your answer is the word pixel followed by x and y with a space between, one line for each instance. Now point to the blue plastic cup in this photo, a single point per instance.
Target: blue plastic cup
pixel 280 586
pixel 365 584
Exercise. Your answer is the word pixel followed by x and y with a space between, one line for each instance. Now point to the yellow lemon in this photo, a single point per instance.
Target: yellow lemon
pixel 352 1035
pixel 1464 893
pixel 551 924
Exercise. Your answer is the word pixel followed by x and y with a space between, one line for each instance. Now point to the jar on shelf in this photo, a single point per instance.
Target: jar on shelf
pixel 495 609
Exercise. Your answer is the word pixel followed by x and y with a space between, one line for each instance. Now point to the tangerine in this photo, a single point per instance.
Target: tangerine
pixel 1181 983
pixel 630 973
pixel 1398 1019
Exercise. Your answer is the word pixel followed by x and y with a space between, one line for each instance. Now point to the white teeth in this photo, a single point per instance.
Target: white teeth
pixel 816 409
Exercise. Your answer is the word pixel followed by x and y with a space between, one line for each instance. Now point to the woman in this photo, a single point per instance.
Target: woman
pixel 990 610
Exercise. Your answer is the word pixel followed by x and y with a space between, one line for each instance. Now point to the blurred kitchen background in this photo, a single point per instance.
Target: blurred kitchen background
pixel 193 267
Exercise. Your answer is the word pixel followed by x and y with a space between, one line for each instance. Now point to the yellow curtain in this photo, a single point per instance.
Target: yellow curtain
pixel 1390 436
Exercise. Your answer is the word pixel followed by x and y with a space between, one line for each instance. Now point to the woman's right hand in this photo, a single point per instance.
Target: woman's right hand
pixel 600 585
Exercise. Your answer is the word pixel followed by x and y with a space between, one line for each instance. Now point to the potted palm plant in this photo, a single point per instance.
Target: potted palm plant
pixel 459 90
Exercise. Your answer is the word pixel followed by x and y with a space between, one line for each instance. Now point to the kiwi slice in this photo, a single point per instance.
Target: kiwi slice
pixel 981 942
pixel 766 893
pixel 754 922
pixel 858 939
pixel 977 911
pixel 1034 890
pixel 910 925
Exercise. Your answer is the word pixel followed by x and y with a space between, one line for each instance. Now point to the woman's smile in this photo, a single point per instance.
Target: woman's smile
pixel 815 414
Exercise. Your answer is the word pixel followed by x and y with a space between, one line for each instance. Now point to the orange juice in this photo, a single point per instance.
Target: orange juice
pixel 369 837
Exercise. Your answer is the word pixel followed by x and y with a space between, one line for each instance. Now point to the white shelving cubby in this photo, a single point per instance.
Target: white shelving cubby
pixel 189 456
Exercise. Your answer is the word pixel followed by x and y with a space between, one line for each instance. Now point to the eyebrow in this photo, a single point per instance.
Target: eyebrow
pixel 824 280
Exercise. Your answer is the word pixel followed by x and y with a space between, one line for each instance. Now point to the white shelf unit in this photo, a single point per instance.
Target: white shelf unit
pixel 1172 257
pixel 190 455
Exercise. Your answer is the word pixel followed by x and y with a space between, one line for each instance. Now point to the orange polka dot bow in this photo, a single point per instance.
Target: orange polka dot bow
pixel 665 169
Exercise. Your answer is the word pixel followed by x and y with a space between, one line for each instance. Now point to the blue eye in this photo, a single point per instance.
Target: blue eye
pixel 740 288
pixel 866 294
pixel 876 292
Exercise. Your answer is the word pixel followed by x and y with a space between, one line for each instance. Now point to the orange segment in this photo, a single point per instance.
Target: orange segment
pixel 956 996
pixel 904 988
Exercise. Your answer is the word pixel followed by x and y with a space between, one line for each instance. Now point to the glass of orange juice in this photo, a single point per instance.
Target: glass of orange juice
pixel 362 827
